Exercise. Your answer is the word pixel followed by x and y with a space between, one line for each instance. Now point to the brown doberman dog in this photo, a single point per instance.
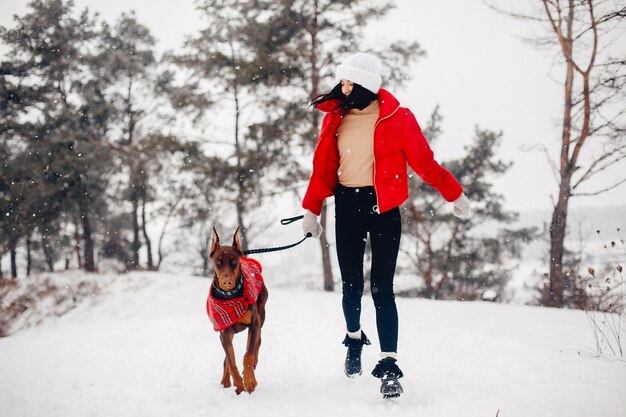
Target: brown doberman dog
pixel 236 302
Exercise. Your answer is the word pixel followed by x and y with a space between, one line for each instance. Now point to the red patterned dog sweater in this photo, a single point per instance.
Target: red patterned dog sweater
pixel 225 313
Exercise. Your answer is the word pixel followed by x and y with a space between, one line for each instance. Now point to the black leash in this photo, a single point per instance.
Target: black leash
pixel 290 220
pixel 283 222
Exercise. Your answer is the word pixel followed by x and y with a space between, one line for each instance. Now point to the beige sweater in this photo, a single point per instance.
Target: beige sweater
pixel 355 137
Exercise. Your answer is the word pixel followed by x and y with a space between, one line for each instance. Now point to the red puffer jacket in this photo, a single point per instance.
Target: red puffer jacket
pixel 398 139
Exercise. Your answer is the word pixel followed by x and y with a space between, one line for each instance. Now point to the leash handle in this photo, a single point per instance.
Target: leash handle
pixel 290 220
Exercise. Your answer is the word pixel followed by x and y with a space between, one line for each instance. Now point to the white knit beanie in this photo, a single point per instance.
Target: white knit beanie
pixel 361 68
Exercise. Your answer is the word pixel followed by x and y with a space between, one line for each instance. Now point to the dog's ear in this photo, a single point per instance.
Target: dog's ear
pixel 236 242
pixel 215 242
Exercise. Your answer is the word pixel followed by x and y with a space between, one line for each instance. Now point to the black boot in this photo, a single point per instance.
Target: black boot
pixel 389 373
pixel 353 357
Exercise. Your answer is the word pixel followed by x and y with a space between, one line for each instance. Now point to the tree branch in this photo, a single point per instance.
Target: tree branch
pixel 514 15
pixel 595 38
pixel 610 16
pixel 592 171
pixel 600 191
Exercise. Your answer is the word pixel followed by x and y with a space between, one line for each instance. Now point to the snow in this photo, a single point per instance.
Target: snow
pixel 144 347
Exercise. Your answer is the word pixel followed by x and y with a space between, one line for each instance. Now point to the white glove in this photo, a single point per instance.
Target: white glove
pixel 462 207
pixel 311 225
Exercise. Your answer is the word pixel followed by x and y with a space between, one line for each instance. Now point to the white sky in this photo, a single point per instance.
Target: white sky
pixel 477 69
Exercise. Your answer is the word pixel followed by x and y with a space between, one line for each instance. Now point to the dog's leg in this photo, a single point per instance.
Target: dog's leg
pixel 256 350
pixel 226 337
pixel 226 376
pixel 256 347
pixel 261 309
pixel 249 379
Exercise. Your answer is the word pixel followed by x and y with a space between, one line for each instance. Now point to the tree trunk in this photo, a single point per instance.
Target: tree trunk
pixel 170 213
pixel 448 254
pixel 554 294
pixel 47 251
pixel 134 193
pixel 205 264
pixel 329 281
pixel 160 251
pixel 425 238
pixel 240 191
pixel 83 210
pixel 242 228
pixel 12 247
pixel 239 204
pixel 429 292
pixel 29 258
pixel 135 214
pixel 204 252
pixel 76 244
pixel 145 231
pixel 438 290
pixel 428 274
pixel 315 73
pixel 130 112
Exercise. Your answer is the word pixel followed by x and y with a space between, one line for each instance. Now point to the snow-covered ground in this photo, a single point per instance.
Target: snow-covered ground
pixel 144 347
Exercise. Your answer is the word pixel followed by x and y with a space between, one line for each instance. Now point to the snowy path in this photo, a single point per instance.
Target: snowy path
pixel 146 348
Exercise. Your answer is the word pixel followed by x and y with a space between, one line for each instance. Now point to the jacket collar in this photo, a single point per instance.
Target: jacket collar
pixel 388 104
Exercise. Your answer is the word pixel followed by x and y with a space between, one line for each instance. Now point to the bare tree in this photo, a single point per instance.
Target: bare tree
pixel 585 33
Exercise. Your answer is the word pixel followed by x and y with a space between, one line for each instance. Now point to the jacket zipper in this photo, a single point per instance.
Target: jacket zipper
pixel 376 207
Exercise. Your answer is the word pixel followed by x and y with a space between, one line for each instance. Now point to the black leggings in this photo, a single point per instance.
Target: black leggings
pixel 354 218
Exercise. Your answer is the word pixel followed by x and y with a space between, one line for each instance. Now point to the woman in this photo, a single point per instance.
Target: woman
pixel 364 145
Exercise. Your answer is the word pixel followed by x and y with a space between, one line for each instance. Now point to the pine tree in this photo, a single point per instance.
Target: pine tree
pixel 230 65
pixel 50 59
pixel 128 65
pixel 460 259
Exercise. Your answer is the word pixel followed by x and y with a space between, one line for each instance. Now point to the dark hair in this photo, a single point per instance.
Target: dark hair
pixel 359 98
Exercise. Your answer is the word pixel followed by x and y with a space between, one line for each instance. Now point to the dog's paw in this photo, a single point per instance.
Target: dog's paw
pixel 249 382
pixel 226 383
pixel 250 387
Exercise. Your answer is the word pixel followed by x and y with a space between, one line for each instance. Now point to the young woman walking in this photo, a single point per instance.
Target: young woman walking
pixel 365 143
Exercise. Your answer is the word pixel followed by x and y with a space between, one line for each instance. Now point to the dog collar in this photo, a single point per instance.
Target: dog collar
pixel 231 292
